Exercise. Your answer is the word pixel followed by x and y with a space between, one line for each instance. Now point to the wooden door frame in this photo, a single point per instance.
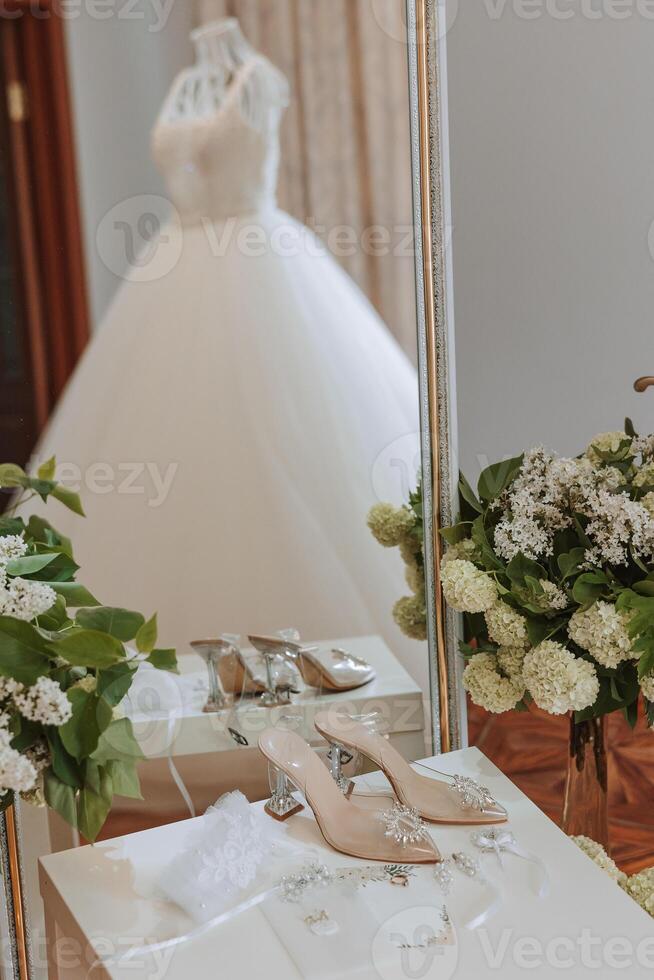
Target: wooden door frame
pixel 32 45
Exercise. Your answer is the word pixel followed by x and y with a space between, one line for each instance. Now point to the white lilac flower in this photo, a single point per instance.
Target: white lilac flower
pixel 511 660
pixel 647 687
pixel 648 503
pixel 605 442
pixel 11 546
pixel 16 771
pixel 553 597
pixel 616 523
pixel 25 600
pixel 602 631
pixel 641 888
pixel 547 494
pixel 466 588
pixel 8 687
pixel 598 855
pixel 558 681
pixel 488 688
pixel 45 701
pixel 506 626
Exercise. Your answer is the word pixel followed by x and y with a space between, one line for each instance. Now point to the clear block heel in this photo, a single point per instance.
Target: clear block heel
pixel 282 804
pixel 338 757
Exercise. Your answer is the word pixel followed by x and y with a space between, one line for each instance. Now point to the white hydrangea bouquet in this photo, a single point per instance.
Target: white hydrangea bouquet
pixel 64 669
pixel 553 561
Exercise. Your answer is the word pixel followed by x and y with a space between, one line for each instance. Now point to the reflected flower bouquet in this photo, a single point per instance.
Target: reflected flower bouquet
pixel 553 564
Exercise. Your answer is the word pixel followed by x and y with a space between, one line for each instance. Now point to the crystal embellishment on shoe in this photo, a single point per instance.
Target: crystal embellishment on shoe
pixel 404 825
pixel 473 796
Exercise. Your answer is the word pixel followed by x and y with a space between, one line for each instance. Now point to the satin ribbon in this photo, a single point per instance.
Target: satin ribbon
pixel 499 842
pixel 218 920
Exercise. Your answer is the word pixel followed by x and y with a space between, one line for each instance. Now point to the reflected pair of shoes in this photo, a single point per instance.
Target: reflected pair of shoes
pixel 395 834
pixel 272 670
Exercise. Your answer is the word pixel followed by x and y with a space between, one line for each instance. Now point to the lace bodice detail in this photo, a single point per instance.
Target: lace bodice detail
pixel 223 162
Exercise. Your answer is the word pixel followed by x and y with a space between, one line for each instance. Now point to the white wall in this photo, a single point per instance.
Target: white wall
pixel 120 69
pixel 552 139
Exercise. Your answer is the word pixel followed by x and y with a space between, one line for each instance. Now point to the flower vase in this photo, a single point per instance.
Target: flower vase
pixel 585 809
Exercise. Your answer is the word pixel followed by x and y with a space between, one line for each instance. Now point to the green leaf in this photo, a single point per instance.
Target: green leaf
pixel 55 618
pixel 60 797
pixel 645 587
pixel 121 623
pixel 629 428
pixel 98 779
pixel 11 475
pixel 75 594
pixel 62 568
pixel 114 682
pixel 497 477
pixel 520 567
pixel 147 636
pixel 646 662
pixel 47 470
pixel 164 660
pixel 24 654
pixel 630 712
pixel 92 811
pixel 125 779
pixel 456 533
pixel 468 494
pixel 91 717
pixel 479 536
pixel 29 733
pixel 589 587
pixel 43 532
pixel 90 648
pixel 118 743
pixel 64 766
pixel 570 561
pixel 11 525
pixel 69 499
pixel 29 565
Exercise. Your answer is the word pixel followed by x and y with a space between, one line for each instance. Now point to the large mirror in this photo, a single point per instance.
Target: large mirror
pixel 550 565
pixel 211 363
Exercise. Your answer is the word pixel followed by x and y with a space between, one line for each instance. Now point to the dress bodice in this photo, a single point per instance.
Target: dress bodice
pixel 225 163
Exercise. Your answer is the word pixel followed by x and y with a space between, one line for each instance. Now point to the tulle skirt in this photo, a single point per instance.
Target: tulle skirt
pixel 226 425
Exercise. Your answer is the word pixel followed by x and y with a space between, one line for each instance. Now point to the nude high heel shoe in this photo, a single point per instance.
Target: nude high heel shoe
pixel 463 801
pixel 395 836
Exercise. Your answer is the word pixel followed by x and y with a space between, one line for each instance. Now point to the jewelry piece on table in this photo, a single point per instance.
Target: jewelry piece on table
pixel 320 923
pixel 498 841
pixel 494 840
pixel 293 887
pixel 466 865
pixel 404 825
pixel 444 937
pixel 444 876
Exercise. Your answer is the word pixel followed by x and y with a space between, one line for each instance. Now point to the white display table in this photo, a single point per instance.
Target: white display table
pixel 584 928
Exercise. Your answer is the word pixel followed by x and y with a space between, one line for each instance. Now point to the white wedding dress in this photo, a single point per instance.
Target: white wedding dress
pixel 248 372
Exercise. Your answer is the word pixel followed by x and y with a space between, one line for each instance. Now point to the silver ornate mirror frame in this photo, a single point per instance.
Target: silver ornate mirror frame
pixel 427 30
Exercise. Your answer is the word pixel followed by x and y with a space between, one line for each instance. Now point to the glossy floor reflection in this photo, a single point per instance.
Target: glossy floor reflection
pixel 540 772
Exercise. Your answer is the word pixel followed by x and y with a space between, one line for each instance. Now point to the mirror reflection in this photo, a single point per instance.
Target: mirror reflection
pixel 192 539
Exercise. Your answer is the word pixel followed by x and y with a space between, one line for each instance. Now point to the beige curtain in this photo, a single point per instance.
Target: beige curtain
pixel 345 139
